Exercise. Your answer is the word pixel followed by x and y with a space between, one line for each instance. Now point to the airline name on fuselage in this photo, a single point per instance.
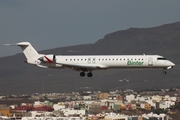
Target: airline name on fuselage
pixel 129 62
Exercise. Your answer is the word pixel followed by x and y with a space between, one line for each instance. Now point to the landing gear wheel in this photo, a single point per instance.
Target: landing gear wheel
pixel 164 72
pixel 89 74
pixel 82 74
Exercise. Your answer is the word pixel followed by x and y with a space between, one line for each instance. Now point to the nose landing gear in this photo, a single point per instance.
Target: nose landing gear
pixel 164 71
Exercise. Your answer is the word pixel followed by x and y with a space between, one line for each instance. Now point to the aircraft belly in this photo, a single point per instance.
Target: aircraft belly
pixel 51 65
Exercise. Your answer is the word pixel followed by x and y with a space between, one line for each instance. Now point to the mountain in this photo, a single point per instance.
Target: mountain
pixel 17 77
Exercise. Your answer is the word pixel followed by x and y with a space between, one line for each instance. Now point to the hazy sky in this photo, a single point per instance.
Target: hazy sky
pixel 57 23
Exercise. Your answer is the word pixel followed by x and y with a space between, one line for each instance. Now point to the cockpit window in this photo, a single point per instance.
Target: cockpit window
pixel 161 58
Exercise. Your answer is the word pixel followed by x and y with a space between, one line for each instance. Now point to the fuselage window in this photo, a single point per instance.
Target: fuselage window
pixel 109 59
pixel 70 59
pixel 66 59
pixel 116 59
pixel 106 59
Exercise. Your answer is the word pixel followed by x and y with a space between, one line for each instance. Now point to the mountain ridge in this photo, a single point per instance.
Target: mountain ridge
pixel 16 77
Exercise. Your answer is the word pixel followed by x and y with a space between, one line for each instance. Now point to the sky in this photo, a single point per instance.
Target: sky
pixel 49 24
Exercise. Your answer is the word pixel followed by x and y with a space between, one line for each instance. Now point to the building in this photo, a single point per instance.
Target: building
pixel 4 110
pixel 102 95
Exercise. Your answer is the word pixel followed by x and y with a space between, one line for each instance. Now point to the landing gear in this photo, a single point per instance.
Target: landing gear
pixel 90 74
pixel 82 74
pixel 164 71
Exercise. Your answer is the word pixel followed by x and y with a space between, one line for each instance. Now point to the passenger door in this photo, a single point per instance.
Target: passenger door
pixel 150 61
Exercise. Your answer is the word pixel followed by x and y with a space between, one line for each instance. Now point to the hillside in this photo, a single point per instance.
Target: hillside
pixel 17 77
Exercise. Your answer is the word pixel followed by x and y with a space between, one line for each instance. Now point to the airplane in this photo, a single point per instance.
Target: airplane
pixel 89 63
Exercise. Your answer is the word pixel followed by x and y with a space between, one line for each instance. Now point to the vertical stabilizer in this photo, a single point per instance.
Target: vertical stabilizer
pixel 31 54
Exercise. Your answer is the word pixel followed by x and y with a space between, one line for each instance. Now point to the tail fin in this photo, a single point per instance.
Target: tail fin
pixel 31 54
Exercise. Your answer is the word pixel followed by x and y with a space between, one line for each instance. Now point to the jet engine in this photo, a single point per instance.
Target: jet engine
pixel 48 58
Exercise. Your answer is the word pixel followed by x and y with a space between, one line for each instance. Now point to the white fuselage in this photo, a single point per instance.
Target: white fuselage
pixel 88 63
pixel 114 61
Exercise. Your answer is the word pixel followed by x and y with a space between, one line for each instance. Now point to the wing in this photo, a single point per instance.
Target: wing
pixel 81 67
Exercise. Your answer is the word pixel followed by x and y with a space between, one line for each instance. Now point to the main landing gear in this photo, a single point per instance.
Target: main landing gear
pixel 82 74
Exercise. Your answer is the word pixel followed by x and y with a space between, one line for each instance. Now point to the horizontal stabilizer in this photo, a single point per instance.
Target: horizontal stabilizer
pixel 10 44
pixel 19 44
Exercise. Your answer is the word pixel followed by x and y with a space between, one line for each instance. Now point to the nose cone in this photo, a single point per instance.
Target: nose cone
pixel 170 64
pixel 173 64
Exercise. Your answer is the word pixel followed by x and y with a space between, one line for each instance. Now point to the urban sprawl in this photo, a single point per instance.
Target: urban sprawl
pixel 127 104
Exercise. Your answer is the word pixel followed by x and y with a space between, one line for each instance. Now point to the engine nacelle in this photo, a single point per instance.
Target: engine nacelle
pixel 48 58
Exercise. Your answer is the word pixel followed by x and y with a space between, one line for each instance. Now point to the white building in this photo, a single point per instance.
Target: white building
pixel 70 112
pixel 156 98
pixel 130 97
pixel 114 116
pixel 58 106
pixel 87 97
